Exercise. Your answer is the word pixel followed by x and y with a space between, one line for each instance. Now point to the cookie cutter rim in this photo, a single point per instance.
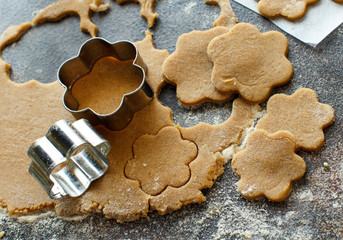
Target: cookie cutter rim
pixel 131 102
pixel 68 158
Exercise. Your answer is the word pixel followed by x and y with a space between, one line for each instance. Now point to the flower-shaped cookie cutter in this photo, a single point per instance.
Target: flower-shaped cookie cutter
pixel 68 158
pixel 75 68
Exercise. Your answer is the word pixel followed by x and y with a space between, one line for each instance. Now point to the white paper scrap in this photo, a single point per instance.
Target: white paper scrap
pixel 319 20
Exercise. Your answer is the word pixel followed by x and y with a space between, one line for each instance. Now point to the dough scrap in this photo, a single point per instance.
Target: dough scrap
pixel 110 80
pixel 268 165
pixel 249 62
pixel 291 9
pixel 98 5
pixel 300 114
pixel 29 109
pixel 219 137
pixel 189 68
pixel 12 34
pixel 161 160
pixel 154 59
pixel 62 8
pixel 147 10
pixel 227 17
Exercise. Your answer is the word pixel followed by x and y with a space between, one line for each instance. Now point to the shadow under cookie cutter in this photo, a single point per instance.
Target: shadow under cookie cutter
pixel 75 68
pixel 68 158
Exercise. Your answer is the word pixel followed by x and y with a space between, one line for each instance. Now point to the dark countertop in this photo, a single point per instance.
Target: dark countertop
pixel 314 208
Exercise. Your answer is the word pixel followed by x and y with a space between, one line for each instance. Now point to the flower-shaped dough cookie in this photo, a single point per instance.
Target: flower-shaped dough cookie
pixel 160 161
pixel 291 9
pixel 189 68
pixel 249 62
pixel 300 114
pixel 268 165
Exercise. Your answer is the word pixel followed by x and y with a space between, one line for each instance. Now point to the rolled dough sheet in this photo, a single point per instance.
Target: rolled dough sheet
pixel 29 109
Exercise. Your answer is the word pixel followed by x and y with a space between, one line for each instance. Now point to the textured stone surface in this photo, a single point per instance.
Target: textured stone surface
pixel 313 210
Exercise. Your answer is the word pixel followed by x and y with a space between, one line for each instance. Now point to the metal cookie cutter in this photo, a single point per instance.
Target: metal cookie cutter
pixel 81 65
pixel 68 158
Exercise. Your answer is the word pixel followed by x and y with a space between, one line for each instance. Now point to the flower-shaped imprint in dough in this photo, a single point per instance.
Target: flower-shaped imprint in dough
pixel 249 62
pixel 291 9
pixel 300 114
pixel 268 165
pixel 160 161
pixel 189 68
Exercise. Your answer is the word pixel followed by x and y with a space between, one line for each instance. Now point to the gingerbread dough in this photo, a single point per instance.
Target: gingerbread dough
pixel 249 62
pixel 60 9
pixel 190 68
pixel 29 109
pixel 291 9
pixel 300 114
pixel 104 87
pixel 268 165
pixel 147 11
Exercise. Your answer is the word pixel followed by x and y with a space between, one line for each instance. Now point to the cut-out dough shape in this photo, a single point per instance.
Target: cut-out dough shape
pixel 147 10
pixel 160 161
pixel 249 62
pixel 227 17
pixel 29 109
pixel 189 68
pixel 61 9
pixel 300 114
pixel 291 9
pixel 268 165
